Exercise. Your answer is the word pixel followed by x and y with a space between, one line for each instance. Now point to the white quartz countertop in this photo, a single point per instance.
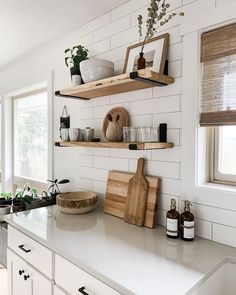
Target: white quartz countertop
pixel 130 259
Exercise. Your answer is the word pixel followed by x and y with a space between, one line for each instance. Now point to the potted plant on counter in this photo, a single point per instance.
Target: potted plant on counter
pixel 76 55
pixel 26 199
pixel 6 198
pixel 54 190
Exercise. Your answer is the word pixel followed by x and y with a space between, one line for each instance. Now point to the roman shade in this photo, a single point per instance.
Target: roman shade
pixel 218 56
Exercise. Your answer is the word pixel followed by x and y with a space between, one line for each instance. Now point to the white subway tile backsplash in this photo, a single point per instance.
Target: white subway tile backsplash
pixel 156 105
pixel 161 217
pixel 101 111
pixel 170 186
pixel 95 174
pixel 114 55
pixel 203 229
pixel 172 89
pixel 95 24
pixel 99 187
pixel 127 8
pixel 123 153
pixel 125 38
pixel 169 155
pixel 161 169
pixel 173 120
pixel 85 160
pixel 112 28
pixel 99 47
pixel 111 163
pixel 175 52
pixel 141 120
pixel 224 234
pixel 132 96
pixel 221 2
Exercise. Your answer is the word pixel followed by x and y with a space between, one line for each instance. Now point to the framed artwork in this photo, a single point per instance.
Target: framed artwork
pixel 155 54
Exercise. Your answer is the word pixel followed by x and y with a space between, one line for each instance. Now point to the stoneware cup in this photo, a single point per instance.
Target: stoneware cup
pixel 74 134
pixel 88 134
pixel 65 134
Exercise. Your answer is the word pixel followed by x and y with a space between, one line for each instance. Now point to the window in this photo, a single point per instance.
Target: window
pixel 223 160
pixel 30 133
pixel 218 106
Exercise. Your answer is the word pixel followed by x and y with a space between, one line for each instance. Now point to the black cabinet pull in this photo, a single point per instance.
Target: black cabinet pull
pixel 23 249
pixel 26 277
pixel 81 290
pixel 21 272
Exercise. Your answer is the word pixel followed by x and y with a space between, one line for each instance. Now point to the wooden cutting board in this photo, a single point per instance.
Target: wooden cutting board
pixel 116 194
pixel 136 201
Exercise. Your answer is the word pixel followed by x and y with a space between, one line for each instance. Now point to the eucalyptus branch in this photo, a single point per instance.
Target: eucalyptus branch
pixel 157 14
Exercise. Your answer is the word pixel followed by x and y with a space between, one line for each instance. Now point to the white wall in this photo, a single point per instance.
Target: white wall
pixel 108 37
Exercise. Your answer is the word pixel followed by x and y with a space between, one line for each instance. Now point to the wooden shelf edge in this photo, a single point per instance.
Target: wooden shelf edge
pixel 118 145
pixel 117 84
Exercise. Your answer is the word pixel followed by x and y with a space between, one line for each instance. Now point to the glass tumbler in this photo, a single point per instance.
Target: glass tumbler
pixel 126 134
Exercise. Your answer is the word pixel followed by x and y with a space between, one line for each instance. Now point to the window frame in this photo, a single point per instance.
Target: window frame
pixel 213 151
pixel 17 180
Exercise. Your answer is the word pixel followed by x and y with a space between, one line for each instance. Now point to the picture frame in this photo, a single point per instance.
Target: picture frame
pixel 155 53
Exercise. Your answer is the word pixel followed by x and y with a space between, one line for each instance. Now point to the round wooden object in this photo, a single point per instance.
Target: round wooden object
pixel 77 202
pixel 123 121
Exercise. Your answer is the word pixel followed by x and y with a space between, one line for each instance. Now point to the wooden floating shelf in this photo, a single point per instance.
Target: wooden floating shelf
pixel 117 145
pixel 140 79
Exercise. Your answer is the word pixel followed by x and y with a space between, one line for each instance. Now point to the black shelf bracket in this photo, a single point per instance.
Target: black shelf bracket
pixel 58 93
pixel 133 147
pixel 135 76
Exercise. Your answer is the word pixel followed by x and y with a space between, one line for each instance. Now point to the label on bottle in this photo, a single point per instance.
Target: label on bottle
pixel 188 230
pixel 172 227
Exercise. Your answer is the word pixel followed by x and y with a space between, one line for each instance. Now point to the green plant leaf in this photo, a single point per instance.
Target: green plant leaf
pixel 68 50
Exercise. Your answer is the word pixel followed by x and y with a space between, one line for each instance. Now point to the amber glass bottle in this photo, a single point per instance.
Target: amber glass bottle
pixel 172 221
pixel 141 62
pixel 187 223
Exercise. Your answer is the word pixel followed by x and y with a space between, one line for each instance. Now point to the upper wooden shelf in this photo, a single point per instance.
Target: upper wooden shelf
pixel 118 145
pixel 118 84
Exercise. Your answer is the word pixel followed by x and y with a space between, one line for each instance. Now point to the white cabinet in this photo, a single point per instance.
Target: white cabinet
pixel 78 281
pixel 23 279
pixel 31 251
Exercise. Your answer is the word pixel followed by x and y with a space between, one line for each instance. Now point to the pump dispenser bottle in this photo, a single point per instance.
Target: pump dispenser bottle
pixel 172 221
pixel 187 223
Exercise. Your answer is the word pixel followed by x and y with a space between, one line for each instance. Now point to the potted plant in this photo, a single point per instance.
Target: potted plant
pixel 26 199
pixel 6 198
pixel 54 190
pixel 76 55
pixel 157 16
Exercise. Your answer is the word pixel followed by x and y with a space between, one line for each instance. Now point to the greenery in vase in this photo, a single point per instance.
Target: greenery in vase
pixel 157 15
pixel 76 55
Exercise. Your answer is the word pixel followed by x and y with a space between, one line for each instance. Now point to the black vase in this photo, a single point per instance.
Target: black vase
pixel 76 71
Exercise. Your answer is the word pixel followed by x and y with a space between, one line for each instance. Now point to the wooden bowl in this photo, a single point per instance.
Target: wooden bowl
pixel 77 202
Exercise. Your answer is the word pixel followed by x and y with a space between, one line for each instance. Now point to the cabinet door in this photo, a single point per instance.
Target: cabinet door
pixel 23 279
pixel 16 270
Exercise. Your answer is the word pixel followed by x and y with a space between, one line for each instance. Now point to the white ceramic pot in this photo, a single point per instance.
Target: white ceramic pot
pixel 96 69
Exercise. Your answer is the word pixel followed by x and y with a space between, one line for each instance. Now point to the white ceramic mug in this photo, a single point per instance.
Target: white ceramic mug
pixel 74 134
pixel 65 134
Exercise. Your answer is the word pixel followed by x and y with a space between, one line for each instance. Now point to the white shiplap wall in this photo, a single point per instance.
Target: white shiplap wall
pixel 108 37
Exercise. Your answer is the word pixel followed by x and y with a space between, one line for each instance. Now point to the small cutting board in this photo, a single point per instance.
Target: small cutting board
pixel 136 201
pixel 116 194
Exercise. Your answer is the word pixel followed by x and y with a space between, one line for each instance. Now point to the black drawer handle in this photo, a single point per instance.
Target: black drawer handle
pixel 21 272
pixel 23 249
pixel 81 290
pixel 26 277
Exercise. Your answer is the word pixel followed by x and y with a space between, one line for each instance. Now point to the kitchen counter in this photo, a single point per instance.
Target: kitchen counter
pixel 130 259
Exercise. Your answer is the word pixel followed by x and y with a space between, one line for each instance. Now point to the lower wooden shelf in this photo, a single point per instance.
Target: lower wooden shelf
pixel 117 145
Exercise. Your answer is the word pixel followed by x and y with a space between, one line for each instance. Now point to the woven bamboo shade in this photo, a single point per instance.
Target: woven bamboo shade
pixel 218 54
